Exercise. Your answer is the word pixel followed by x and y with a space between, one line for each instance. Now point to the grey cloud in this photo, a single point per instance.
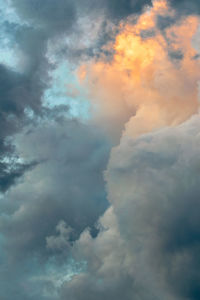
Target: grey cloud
pixel 176 55
pixel 61 241
pixel 122 8
pixel 165 21
pixel 11 172
pixel 45 212
pixel 182 8
pixel 115 9
pixel 67 185
pixel 61 16
pixel 159 184
pixel 21 91
pixel 114 269
pixel 186 7
pixel 50 15
pixel 17 93
pixel 149 238
pixel 145 34
pixel 107 274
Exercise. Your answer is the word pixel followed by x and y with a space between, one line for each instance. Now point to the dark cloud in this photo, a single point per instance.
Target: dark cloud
pixel 176 55
pixel 51 16
pixel 54 202
pixel 164 22
pixel 145 34
pixel 186 7
pixel 182 9
pixel 119 9
pixel 67 185
pixel 19 93
pixel 61 16
pixel 10 172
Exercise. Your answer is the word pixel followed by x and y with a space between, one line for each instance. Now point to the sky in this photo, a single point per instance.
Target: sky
pixel 99 150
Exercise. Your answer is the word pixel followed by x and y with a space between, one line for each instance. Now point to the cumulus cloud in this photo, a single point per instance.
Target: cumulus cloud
pixel 154 191
pixel 153 74
pixel 149 237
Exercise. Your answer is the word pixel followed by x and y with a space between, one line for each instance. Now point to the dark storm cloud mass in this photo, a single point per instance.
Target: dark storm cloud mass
pixel 186 6
pixel 61 17
pixel 123 8
pixel 17 93
pixel 48 15
pixel 21 91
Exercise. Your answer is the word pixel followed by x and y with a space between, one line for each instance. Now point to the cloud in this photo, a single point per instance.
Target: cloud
pixel 185 7
pixel 152 76
pixel 18 93
pixel 154 191
pixel 149 238
pixel 47 14
pixel 10 172
pixel 62 241
pixel 39 23
pixel 67 184
pixel 121 9
pixel 107 273
pixel 63 236
pixel 60 17
pixel 45 212
pixel 21 90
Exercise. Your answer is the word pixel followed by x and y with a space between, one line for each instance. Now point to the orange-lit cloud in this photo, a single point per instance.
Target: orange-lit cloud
pixel 152 80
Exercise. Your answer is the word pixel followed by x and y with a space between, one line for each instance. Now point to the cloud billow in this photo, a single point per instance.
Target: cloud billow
pixel 154 191
pixel 149 238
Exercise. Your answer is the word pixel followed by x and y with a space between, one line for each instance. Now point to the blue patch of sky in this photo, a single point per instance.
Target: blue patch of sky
pixel 66 89
pixel 55 275
pixel 9 52
pixel 8 13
